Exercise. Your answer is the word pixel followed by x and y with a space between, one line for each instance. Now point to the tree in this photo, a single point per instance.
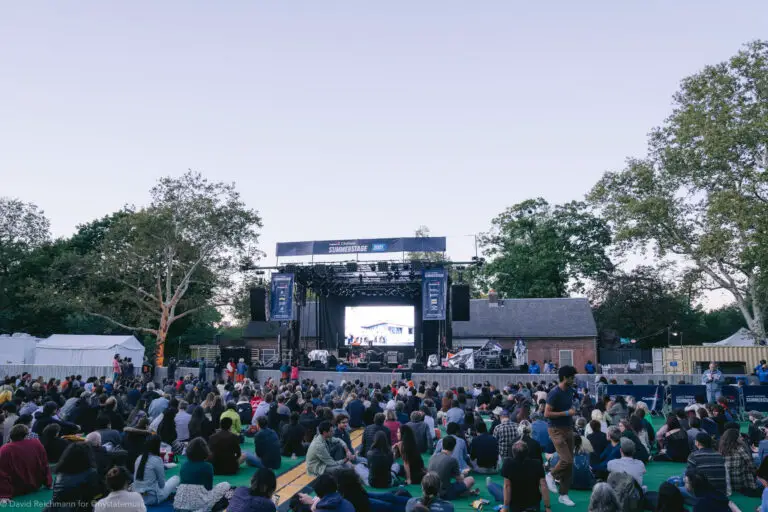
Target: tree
pixel 640 304
pixel 175 258
pixel 537 250
pixel 23 230
pixel 701 193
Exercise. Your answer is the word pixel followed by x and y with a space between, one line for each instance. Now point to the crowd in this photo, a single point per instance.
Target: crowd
pixel 112 445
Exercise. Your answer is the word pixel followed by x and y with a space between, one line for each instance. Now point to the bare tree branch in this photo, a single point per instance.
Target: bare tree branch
pixel 113 321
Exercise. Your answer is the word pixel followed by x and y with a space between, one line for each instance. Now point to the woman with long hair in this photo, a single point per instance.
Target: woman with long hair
pixel 77 481
pixel 380 462
pixel 641 452
pixel 738 462
pixel 413 464
pixel 430 500
pixel 258 496
pixel 216 411
pixel 534 448
pixel 167 428
pixel 149 477
pixel 138 412
pixel 200 425
pixel 676 444
pixel 134 439
pixel 54 445
pixel 196 491
pixel 669 499
pixel 351 489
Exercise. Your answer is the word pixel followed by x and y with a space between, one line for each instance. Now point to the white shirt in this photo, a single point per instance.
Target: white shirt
pixel 123 501
pixel 430 421
pixel 633 467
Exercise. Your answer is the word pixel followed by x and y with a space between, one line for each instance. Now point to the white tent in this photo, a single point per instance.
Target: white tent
pixel 81 350
pixel 17 349
pixel 741 338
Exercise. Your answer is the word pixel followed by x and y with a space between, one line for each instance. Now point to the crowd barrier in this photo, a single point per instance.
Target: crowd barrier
pixel 55 372
pixel 653 396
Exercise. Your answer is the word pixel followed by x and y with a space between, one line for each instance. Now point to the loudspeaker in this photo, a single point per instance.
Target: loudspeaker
pixel 374 367
pixel 258 305
pixel 460 302
pixel 317 365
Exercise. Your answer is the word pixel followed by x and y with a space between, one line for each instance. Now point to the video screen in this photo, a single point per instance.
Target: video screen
pixel 367 326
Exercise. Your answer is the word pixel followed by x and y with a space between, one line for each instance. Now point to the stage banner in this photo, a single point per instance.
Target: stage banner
pixel 360 246
pixel 433 293
pixel 755 398
pixel 281 300
pixel 731 393
pixel 653 396
pixel 684 395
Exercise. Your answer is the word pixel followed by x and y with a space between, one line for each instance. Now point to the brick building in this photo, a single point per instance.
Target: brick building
pixel 560 330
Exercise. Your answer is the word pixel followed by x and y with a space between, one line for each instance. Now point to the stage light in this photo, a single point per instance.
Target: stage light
pixel 393 267
pixel 373 267
pixel 406 267
pixel 397 275
pixel 412 275
pixel 360 278
pixel 389 276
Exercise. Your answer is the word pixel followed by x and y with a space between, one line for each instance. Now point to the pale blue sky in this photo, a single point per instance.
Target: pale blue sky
pixel 343 119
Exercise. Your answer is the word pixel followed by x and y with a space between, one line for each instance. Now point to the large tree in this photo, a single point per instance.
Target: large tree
pixel 175 258
pixel 701 193
pixel 538 250
pixel 23 230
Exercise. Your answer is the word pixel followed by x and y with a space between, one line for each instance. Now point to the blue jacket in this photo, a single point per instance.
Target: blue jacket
pixel 589 368
pixel 355 408
pixel 583 479
pixel 762 374
pixel 609 454
pixel 334 501
pixel 534 369
pixel 267 446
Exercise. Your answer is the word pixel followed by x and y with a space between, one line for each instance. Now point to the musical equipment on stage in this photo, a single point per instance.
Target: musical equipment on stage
pixel 258 304
pixel 374 367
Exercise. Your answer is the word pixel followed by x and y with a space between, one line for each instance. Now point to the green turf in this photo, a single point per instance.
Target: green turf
pixel 36 501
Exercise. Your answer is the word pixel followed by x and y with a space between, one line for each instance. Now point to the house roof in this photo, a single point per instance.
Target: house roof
pixel 528 318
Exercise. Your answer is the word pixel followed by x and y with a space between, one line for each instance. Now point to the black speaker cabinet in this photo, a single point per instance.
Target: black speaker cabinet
pixel 460 302
pixel 418 367
pixel 374 367
pixel 258 305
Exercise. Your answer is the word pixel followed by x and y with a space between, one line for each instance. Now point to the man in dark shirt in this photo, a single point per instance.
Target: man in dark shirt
pixel 293 437
pixel 369 434
pixel 709 463
pixel 226 455
pixel 355 408
pixel 559 411
pixel 528 476
pixel 267 446
pixel 484 452
pixel 447 469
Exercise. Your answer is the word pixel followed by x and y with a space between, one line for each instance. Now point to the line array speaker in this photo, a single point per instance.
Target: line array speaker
pixel 460 302
pixel 258 305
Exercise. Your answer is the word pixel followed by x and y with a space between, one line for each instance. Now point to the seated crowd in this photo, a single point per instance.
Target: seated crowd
pixel 112 445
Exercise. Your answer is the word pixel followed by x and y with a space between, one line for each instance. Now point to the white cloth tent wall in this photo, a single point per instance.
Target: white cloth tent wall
pixel 741 338
pixel 82 350
pixel 18 348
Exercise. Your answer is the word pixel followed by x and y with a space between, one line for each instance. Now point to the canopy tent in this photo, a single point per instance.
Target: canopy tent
pixel 18 348
pixel 741 338
pixel 82 350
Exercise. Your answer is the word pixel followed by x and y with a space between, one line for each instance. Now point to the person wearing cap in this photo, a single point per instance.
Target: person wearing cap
pixel 49 416
pixel 506 433
pixel 559 411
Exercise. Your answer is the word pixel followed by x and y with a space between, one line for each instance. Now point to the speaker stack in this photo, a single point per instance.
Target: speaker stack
pixel 460 302
pixel 258 304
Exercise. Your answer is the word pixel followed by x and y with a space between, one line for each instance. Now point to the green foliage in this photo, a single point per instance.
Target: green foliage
pixel 537 250
pixel 702 192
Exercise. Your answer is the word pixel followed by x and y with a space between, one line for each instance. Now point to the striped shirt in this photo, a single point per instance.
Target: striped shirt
pixel 712 465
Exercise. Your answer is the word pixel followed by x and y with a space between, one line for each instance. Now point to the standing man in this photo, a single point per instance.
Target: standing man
pixel 589 367
pixel 241 369
pixel 762 373
pixel 559 411
pixel 201 372
pixel 713 380
pixel 116 369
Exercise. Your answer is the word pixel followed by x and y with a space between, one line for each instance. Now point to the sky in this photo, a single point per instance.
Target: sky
pixel 343 119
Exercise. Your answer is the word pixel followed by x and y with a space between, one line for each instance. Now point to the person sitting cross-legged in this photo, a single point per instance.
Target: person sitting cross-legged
pixel 430 499
pixel 529 484
pixel 319 459
pixel 484 452
pixel 447 467
pixel 611 452
pixel 23 465
pixel 627 463
pixel 196 491
pixel 258 496
pixel 460 452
